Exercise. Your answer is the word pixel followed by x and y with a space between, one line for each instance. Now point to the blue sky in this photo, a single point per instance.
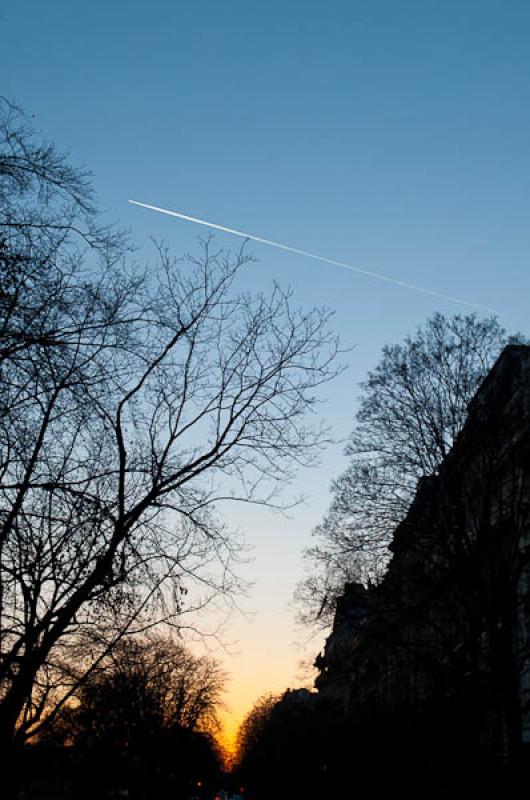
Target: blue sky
pixel 392 135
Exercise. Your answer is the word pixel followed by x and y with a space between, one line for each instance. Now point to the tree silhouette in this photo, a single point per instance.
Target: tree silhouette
pixel 412 407
pixel 144 721
pixel 132 399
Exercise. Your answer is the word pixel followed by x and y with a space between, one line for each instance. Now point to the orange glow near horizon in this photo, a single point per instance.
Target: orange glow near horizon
pixel 253 678
pixel 267 661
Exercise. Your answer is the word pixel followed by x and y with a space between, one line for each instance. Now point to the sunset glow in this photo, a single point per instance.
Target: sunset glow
pixel 265 400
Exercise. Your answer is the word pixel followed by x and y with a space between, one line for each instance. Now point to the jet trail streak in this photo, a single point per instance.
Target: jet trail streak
pixel 378 276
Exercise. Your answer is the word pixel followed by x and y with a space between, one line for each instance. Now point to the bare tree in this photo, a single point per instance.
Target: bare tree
pixel 253 726
pixel 144 687
pixel 412 407
pixel 132 401
pixel 282 747
pixel 145 719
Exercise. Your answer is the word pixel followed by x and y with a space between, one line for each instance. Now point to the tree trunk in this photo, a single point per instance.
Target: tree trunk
pixel 12 752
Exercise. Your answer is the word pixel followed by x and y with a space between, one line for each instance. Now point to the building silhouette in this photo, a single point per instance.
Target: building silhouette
pixel 438 654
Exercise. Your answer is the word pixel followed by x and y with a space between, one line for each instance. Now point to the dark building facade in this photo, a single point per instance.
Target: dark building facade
pixel 444 639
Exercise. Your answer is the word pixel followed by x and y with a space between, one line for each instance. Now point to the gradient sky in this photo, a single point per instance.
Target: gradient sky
pixel 391 135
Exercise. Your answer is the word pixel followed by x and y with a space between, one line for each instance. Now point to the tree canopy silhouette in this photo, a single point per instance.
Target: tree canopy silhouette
pixel 132 399
pixel 143 687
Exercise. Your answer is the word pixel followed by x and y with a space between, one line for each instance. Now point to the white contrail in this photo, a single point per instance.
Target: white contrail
pixel 316 257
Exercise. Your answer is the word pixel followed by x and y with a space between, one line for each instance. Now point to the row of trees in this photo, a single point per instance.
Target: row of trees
pixel 132 399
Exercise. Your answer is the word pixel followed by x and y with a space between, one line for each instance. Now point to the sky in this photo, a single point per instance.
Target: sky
pixel 389 135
